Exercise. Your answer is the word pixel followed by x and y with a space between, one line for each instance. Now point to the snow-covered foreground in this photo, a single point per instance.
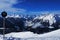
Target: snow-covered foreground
pixel 54 35
pixel 31 34
pixel 1 37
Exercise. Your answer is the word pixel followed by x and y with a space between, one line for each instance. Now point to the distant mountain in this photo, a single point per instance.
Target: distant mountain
pixel 34 23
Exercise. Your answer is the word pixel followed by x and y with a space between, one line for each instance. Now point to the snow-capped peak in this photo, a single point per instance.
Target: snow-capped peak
pixel 49 17
pixel 14 16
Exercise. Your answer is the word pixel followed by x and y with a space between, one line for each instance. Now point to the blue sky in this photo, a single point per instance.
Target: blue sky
pixel 30 6
pixel 39 5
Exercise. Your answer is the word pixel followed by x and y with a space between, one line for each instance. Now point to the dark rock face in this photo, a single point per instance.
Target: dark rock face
pixel 12 25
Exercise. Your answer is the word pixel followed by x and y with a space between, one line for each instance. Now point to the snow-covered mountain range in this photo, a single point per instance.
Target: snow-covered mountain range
pixel 34 23
pixel 33 26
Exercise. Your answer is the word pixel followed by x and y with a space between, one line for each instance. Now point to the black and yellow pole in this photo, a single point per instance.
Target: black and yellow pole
pixel 4 14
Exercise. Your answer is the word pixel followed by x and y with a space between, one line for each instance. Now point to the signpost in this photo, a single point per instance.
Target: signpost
pixel 4 14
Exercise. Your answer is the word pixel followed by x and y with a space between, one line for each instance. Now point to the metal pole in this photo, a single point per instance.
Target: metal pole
pixel 3 28
pixel 4 14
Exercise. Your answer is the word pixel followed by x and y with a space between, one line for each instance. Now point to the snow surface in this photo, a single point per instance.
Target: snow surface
pixel 21 35
pixel 51 34
pixel 54 35
pixel 1 37
pixel 30 34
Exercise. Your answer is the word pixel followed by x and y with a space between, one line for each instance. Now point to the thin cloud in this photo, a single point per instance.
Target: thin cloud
pixel 7 5
pixel 45 12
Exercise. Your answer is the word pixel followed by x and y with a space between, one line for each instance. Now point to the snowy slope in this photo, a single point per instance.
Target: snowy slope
pixel 30 34
pixel 51 34
pixel 1 37
pixel 54 35
pixel 21 35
